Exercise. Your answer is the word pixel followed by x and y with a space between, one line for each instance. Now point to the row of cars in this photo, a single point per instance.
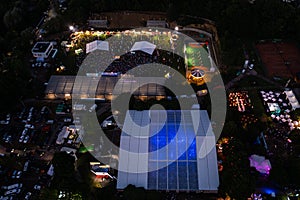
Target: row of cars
pixel 17 183
pixel 24 138
pixel 25 124
pixel 40 64
pixel 11 190
pixel 25 135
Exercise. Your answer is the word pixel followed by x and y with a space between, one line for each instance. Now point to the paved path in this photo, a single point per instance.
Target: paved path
pixel 251 73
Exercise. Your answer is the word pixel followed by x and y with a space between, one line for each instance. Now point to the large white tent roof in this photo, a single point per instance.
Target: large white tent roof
pixel 144 46
pixel 189 161
pixel 97 44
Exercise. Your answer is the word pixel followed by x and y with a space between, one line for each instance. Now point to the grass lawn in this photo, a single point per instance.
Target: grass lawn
pixel 193 55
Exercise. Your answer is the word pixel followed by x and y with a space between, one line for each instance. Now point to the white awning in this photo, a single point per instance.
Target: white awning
pixel 144 46
pixel 97 44
pixel 292 99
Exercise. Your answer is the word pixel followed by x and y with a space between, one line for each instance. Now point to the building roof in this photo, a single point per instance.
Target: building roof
pixel 144 46
pixel 41 47
pixel 156 23
pixel 103 87
pixel 153 156
pixel 97 44
pixel 292 99
pixel 98 23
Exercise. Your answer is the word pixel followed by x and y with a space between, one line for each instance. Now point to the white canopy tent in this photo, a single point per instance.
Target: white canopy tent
pixel 160 154
pixel 292 99
pixel 144 46
pixel 97 44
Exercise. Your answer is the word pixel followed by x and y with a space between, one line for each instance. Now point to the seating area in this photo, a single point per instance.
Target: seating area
pixel 240 100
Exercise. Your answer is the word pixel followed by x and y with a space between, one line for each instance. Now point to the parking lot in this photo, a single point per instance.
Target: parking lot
pixel 27 146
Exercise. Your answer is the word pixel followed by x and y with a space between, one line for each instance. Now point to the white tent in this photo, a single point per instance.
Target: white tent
pixel 144 46
pixel 97 44
pixel 260 163
pixel 292 98
pixel 188 162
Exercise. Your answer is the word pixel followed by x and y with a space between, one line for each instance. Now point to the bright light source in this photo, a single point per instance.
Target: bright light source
pixel 176 28
pixel 71 28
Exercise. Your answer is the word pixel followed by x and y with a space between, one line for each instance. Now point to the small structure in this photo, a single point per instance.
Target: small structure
pixel 144 46
pixel 42 50
pixel 97 44
pixel 292 99
pixel 71 135
pixel 100 171
pixel 98 23
pixel 156 23
pixel 260 163
pixel 50 171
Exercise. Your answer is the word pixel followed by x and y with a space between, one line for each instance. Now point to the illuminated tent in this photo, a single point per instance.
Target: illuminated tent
pixel 197 72
pixel 292 99
pixel 260 163
pixel 97 44
pixel 144 46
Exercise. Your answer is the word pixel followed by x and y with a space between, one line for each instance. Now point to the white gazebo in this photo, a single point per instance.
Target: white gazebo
pixel 144 46
pixel 97 44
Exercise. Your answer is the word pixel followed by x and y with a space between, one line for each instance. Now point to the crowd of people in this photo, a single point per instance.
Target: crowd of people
pixel 123 42
pixel 129 61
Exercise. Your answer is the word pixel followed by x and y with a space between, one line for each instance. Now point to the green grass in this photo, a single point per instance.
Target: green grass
pixel 192 61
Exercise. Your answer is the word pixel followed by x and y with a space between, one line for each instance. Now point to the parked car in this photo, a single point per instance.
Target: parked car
pixel 26 166
pixel 16 174
pixel 37 187
pixel 21 138
pixel 8 139
pixel 26 139
pixel 29 126
pixel 67 120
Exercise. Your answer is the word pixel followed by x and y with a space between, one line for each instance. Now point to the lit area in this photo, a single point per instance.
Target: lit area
pixel 101 174
pixel 70 135
pixel 198 62
pixel 239 100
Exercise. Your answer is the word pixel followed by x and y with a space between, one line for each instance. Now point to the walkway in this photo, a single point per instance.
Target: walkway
pixel 251 73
